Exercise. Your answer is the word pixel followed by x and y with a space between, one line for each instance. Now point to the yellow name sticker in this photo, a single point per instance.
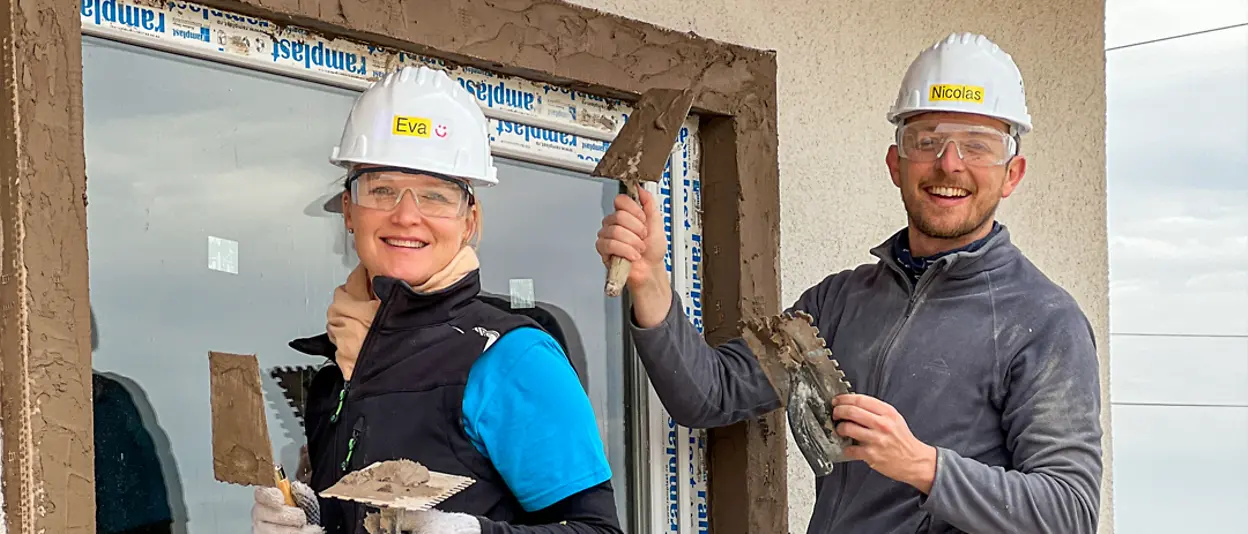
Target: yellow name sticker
pixel 956 93
pixel 412 126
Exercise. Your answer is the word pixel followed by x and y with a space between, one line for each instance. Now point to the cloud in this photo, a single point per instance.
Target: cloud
pixel 1177 151
pixel 1133 21
pixel 1177 116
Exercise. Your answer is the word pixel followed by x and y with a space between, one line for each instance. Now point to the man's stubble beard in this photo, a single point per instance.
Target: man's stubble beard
pixel 928 228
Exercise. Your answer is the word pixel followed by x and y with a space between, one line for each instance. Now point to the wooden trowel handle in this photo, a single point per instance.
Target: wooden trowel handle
pixel 283 484
pixel 618 268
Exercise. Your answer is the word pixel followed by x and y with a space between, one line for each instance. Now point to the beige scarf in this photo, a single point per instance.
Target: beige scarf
pixel 354 306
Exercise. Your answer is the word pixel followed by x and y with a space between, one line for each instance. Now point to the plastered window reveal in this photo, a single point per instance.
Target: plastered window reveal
pixel 4 520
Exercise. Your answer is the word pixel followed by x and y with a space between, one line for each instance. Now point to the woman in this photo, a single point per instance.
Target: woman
pixel 422 368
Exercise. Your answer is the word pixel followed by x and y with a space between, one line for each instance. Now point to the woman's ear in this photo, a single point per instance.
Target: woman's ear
pixel 472 235
pixel 346 211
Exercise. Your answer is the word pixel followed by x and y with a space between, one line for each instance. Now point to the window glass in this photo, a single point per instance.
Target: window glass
pixel 1180 469
pixel 1177 151
pixel 207 232
pixel 538 239
pixel 1133 21
pixel 1177 148
pixel 1179 370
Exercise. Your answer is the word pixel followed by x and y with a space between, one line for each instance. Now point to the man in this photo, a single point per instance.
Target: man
pixel 979 398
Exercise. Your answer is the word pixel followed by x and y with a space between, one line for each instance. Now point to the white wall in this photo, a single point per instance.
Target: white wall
pixel 839 65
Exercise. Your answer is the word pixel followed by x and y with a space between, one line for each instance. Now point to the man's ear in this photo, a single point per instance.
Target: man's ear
pixel 893 160
pixel 1013 175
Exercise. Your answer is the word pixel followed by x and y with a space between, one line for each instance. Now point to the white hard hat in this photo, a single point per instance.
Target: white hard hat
pixel 964 73
pixel 419 118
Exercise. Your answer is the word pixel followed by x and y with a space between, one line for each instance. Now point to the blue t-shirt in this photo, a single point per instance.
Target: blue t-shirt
pixel 525 410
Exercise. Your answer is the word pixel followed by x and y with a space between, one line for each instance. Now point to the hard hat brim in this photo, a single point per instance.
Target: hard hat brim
pixel 899 116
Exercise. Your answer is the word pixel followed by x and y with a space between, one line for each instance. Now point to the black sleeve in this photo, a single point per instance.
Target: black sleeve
pixel 162 527
pixel 591 511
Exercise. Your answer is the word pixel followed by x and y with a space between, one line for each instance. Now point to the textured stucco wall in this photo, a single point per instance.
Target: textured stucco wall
pixel 839 66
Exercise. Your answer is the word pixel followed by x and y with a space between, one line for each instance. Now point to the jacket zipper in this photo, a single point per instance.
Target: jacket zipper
pixel 877 378
pixel 352 443
pixel 345 392
pixel 368 338
pixel 342 400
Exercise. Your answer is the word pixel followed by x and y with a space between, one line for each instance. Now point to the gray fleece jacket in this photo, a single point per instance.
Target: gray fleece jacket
pixel 986 359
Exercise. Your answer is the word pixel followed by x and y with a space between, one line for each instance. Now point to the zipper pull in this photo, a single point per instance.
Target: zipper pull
pixel 355 435
pixel 342 399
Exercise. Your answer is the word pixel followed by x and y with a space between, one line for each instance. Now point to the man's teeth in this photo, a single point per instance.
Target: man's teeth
pixel 948 191
pixel 405 243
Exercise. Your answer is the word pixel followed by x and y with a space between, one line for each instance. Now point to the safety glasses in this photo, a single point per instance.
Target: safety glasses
pixel 979 146
pixel 382 188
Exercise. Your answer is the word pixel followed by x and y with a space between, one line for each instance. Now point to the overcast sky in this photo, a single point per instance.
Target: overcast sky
pixel 1178 223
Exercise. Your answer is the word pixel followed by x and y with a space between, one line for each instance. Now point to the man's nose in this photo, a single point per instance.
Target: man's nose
pixel 951 158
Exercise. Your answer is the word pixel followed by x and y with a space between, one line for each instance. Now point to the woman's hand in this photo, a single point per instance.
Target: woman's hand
pixel 270 515
pixel 635 232
pixel 428 522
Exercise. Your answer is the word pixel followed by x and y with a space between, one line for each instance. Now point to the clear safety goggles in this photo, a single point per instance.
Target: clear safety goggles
pixel 382 188
pixel 979 146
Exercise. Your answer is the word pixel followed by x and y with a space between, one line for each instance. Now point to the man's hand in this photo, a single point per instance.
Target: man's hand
pixel 884 441
pixel 635 232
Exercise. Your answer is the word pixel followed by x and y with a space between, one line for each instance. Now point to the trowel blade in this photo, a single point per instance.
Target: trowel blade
pixel 641 150
pixel 292 384
pixel 800 368
pixel 241 450
pixel 378 485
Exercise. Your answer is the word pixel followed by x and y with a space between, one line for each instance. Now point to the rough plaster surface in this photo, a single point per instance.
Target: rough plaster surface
pixel 45 383
pixel 839 65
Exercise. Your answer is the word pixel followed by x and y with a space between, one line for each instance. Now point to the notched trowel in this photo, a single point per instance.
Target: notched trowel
pixel 395 486
pixel 640 152
pixel 800 367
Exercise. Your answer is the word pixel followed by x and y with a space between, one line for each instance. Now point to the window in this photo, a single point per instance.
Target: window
pixel 1177 76
pixel 206 147
pixel 203 236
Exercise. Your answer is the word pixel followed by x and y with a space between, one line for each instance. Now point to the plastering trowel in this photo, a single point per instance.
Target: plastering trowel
pixel 394 487
pixel 639 154
pixel 241 450
pixel 243 454
pixel 800 367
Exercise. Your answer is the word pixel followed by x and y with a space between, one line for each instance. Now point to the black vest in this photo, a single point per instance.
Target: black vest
pixel 405 399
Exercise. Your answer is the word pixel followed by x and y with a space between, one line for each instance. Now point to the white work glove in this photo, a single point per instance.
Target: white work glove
pixel 270 515
pixel 429 522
